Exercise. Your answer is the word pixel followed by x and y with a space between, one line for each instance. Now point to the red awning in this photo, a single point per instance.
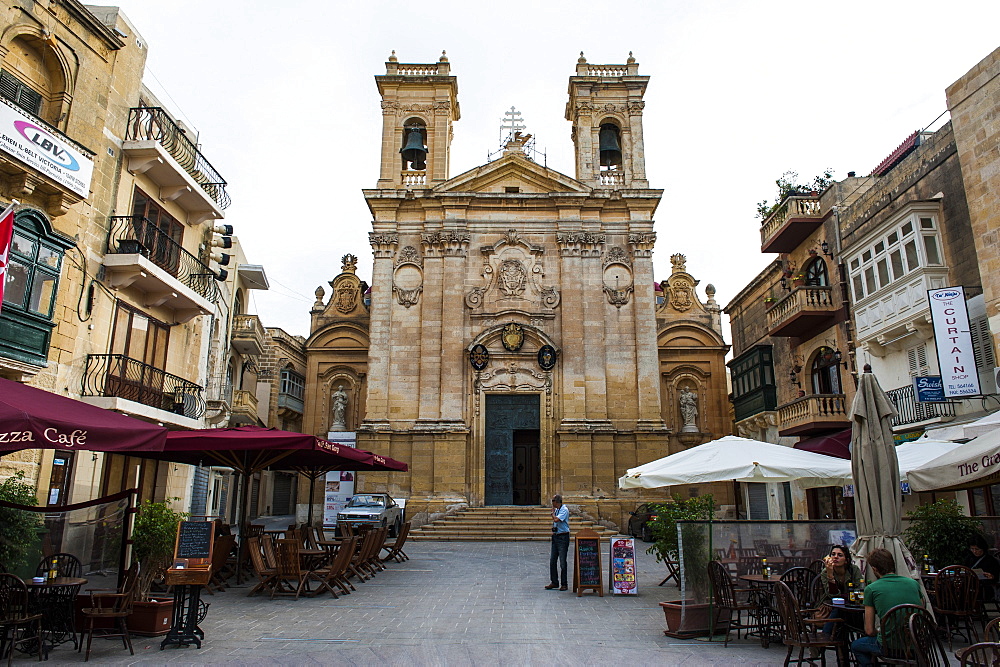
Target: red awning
pixel 32 418
pixel 835 444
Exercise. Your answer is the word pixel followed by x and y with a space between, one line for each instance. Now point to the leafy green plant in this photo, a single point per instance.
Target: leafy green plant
pixel 942 531
pixel 789 186
pixel 18 529
pixel 696 552
pixel 153 538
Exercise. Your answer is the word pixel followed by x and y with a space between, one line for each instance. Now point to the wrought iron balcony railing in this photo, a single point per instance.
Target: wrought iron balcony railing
pixel 155 124
pixel 911 411
pixel 136 235
pixel 118 376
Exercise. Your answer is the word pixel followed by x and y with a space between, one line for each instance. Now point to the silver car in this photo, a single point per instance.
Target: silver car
pixel 371 509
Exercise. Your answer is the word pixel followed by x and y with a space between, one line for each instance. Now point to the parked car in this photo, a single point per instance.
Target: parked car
pixel 638 522
pixel 371 509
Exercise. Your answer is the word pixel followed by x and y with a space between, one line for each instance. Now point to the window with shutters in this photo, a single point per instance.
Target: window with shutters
pixel 20 93
pixel 757 502
pixel 982 350
pixel 916 357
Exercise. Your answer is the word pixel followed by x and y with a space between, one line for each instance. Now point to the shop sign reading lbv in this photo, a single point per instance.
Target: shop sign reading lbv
pixel 953 341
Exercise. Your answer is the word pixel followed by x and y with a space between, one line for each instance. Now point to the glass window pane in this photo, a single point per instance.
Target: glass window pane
pixel 912 261
pixel 17 283
pixel 870 279
pixel 883 273
pixel 879 248
pixel 866 256
pixel 22 245
pixel 978 501
pixel 49 257
pixel 43 289
pixel 855 263
pixel 897 264
pixel 859 289
pixel 931 248
pixel 137 337
pixel 893 238
pixel 926 223
pixel 907 228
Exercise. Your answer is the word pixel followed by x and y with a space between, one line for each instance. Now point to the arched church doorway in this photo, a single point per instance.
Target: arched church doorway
pixel 513 462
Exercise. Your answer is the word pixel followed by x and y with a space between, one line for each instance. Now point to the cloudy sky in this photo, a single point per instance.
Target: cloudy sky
pixel 284 98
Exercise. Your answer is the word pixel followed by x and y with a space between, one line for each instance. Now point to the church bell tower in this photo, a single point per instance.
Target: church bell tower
pixel 419 105
pixel 605 106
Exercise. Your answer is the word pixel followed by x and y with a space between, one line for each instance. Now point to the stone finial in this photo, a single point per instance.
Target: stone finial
pixel 392 57
pixel 710 292
pixel 631 59
pixel 349 263
pixel 444 57
pixel 320 293
pixel 679 263
pixel 581 60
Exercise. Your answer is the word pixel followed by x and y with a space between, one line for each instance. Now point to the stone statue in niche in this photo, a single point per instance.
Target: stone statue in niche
pixel 689 410
pixel 339 402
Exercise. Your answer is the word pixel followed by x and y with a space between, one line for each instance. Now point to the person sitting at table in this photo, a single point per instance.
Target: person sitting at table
pixel 979 558
pixel 888 590
pixel 838 575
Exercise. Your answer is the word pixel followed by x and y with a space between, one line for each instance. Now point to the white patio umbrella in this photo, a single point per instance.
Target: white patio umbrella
pixel 732 458
pixel 983 426
pixel 975 463
pixel 918 453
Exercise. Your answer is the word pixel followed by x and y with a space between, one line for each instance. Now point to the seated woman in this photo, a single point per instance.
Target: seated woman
pixel 838 576
pixel 979 558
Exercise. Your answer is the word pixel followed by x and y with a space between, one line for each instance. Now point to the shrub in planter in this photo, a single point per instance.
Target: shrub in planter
pixel 942 531
pixel 695 552
pixel 153 538
pixel 18 529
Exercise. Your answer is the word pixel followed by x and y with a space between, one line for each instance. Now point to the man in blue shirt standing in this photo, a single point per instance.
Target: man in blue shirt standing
pixel 560 544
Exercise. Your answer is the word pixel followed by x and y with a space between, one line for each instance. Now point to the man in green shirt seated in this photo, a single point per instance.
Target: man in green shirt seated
pixel 887 591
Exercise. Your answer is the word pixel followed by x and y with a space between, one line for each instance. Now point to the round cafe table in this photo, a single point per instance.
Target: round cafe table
pixel 768 621
pixel 54 600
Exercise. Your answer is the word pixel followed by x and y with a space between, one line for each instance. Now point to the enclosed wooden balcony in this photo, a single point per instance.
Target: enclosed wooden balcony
pixel 248 335
pixel 801 311
pixel 244 408
pixel 786 228
pixel 813 413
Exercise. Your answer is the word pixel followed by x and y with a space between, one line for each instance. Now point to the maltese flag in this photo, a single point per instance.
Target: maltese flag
pixel 6 234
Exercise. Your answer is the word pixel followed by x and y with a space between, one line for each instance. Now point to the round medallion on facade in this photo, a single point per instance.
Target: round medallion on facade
pixel 546 357
pixel 513 336
pixel 479 357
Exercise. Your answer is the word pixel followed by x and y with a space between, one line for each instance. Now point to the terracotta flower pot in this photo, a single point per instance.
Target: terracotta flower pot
pixel 686 619
pixel 151 618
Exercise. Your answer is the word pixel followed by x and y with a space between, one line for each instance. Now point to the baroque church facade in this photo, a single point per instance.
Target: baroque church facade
pixel 513 343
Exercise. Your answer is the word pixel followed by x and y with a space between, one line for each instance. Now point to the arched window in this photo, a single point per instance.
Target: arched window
pixel 610 146
pixel 414 148
pixel 826 372
pixel 238 303
pixel 32 78
pixel 816 275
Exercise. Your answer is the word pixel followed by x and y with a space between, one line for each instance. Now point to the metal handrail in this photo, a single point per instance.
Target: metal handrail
pixel 136 235
pixel 911 411
pixel 155 124
pixel 118 376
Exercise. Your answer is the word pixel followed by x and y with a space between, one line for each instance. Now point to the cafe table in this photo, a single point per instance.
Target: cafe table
pixel 768 621
pixel 54 599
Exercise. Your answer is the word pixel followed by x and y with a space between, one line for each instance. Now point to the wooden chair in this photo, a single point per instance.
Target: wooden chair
pixel 978 655
pixel 991 633
pixel 67 565
pixel 801 632
pixel 772 550
pixel 799 580
pixel 816 566
pixel 673 572
pixel 266 576
pixel 956 601
pixel 292 578
pixel 334 574
pixel 270 554
pixel 362 551
pixel 395 551
pixel 220 555
pixel 15 615
pixel 747 553
pixel 720 554
pixel 748 565
pixel 727 603
pixel 926 642
pixel 897 646
pixel 114 607
pixel 372 561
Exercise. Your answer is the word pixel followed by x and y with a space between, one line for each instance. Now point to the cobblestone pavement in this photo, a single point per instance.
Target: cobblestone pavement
pixel 452 603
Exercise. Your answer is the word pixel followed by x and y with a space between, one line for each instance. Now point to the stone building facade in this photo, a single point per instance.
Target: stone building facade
pixel 512 344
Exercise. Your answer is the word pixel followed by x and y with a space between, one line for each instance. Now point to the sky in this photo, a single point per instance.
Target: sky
pixel 284 99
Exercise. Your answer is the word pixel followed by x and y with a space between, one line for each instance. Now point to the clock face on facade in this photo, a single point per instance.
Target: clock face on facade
pixel 513 336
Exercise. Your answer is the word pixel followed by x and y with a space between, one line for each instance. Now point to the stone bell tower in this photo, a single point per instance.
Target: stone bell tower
pixel 419 104
pixel 605 106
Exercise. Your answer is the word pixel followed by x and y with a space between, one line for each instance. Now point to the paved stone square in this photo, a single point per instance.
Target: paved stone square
pixel 452 603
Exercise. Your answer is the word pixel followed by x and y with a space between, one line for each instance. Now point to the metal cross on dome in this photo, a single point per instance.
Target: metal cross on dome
pixel 511 123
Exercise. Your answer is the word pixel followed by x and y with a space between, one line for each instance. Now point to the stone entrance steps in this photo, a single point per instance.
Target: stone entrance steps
pixel 505 523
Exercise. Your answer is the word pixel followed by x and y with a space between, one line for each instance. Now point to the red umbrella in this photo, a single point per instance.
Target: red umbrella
pixel 32 418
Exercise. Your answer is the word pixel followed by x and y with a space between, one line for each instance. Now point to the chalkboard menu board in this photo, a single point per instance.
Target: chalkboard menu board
pixel 587 563
pixel 623 566
pixel 194 539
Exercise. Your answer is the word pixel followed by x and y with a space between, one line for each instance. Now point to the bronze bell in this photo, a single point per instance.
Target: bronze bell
pixel 413 150
pixel 611 150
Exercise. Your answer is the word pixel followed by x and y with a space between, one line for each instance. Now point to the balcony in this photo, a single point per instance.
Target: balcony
pixel 142 256
pixel 814 413
pixel 910 411
pixel 156 147
pixel 785 229
pixel 898 306
pixel 290 406
pixel 248 335
pixel 117 382
pixel 802 311
pixel 244 408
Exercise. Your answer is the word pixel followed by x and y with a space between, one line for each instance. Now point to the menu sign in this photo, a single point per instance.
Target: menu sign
pixel 623 566
pixel 194 539
pixel 587 563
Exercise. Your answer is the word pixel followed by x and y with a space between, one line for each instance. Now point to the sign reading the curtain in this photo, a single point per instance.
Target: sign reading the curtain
pixel 953 341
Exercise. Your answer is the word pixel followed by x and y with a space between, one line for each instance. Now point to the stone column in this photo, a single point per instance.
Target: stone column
pixel 377 401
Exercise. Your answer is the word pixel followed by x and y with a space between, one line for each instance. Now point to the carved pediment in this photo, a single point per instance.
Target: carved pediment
pixel 512 171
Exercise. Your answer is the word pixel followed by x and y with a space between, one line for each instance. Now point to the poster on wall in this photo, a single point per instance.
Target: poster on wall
pixel 953 340
pixel 339 488
pixel 623 566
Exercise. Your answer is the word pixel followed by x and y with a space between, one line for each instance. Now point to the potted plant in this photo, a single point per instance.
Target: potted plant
pixel 688 616
pixel 153 538
pixel 19 543
pixel 940 530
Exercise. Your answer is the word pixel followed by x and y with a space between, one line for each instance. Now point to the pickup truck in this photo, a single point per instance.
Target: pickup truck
pixel 371 509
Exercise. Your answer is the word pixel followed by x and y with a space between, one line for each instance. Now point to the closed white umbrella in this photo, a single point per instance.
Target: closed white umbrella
pixel 741 460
